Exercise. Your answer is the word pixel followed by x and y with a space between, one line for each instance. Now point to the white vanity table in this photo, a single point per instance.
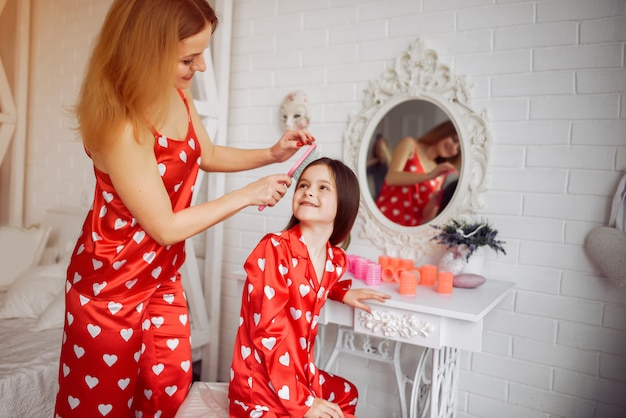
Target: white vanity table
pixel 441 324
pixel 413 95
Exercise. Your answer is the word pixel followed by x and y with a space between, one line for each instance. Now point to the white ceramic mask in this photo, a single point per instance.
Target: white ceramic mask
pixel 295 111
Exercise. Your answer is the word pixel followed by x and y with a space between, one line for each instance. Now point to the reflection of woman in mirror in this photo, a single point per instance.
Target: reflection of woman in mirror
pixel 416 173
pixel 378 164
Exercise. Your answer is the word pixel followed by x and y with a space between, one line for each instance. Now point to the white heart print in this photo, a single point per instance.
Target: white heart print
pixel 118 264
pixel 79 351
pixel 269 292
pixel 304 290
pixel 123 383
pixel 96 263
pixel 114 307
pixel 109 359
pixel 283 393
pixel 245 351
pixel 172 343
pixel 119 224
pixel 269 342
pixel 126 333
pixel 157 369
pixel 149 257
pixel 139 236
pixel 171 390
pixel 73 401
pixel 94 330
pixel 97 288
pixel 91 381
pixel 295 313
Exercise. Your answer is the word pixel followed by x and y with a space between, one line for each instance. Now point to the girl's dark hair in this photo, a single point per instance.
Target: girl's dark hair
pixel 348 192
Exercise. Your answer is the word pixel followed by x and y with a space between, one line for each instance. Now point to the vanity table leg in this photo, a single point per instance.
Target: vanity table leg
pixel 434 391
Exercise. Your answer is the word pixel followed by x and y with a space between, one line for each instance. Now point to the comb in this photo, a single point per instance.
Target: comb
pixel 296 171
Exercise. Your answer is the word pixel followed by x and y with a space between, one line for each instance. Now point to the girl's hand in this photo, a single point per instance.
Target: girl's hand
pixel 353 297
pixel 267 190
pixel 322 408
pixel 289 143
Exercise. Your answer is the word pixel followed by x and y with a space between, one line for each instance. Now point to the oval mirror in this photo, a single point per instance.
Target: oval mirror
pixel 415 95
pixel 431 138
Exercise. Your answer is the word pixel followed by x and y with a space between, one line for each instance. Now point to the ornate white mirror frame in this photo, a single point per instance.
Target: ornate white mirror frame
pixel 418 74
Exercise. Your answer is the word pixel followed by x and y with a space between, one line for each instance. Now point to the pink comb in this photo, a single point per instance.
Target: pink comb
pixel 300 165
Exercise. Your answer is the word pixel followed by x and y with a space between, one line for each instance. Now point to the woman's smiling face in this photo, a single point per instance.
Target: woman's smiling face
pixel 191 57
pixel 449 147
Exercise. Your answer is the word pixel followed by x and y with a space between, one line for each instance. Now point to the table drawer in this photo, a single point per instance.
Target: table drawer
pixel 399 325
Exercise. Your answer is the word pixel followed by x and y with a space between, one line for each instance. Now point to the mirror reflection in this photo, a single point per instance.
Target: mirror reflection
pixel 414 161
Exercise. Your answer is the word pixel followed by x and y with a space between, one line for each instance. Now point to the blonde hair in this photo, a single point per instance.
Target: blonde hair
pixel 133 61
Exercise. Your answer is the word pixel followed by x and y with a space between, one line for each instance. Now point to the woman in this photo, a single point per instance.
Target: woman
pixel 126 348
pixel 415 175
pixel 289 277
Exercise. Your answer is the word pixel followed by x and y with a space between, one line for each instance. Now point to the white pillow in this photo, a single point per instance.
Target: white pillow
pixel 33 291
pixel 20 248
pixel 53 316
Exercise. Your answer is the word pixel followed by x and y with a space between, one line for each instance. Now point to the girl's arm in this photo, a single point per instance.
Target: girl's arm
pixel 216 158
pixel 133 170
pixel 396 176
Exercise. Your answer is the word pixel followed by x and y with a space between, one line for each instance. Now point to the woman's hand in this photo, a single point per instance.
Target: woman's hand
pixel 353 297
pixel 443 168
pixel 322 408
pixel 267 190
pixel 289 143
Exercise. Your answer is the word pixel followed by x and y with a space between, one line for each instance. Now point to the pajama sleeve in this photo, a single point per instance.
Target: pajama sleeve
pixel 273 333
pixel 339 290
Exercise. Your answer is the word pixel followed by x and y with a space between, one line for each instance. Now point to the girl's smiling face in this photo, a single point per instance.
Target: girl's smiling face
pixel 315 197
pixel 191 57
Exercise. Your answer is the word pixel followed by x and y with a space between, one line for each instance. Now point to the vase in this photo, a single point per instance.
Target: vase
pixel 475 263
pixel 453 261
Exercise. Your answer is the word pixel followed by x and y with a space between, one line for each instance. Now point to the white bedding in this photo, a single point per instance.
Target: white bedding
pixel 205 400
pixel 28 369
pixel 35 299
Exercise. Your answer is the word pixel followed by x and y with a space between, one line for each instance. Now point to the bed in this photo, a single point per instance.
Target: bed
pixel 34 261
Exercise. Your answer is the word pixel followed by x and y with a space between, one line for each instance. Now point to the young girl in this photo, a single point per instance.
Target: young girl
pixel 415 175
pixel 290 275
pixel 126 348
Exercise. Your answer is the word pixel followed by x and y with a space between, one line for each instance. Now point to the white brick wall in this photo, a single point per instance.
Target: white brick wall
pixel 551 76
